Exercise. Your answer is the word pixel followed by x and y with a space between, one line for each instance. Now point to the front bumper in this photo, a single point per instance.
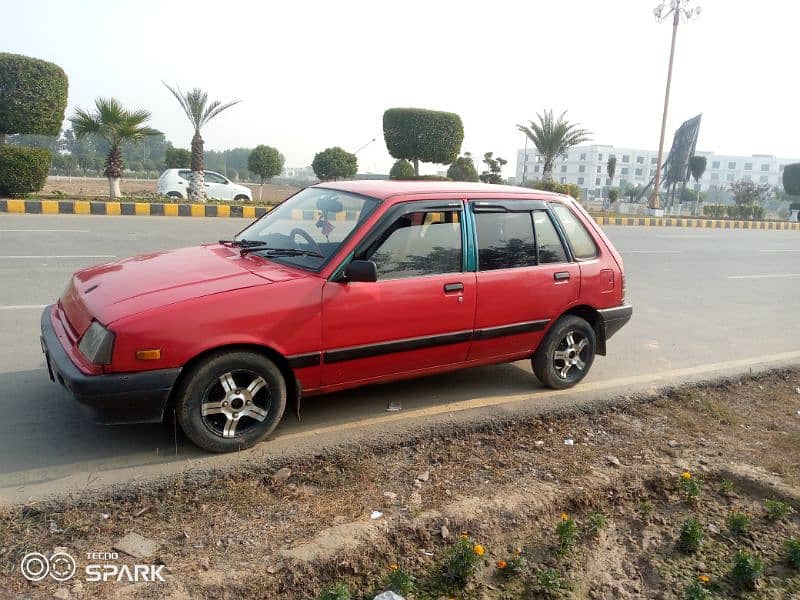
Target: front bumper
pixel 115 398
pixel 610 322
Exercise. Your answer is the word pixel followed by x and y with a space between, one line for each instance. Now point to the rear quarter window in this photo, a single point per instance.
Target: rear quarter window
pixel 580 240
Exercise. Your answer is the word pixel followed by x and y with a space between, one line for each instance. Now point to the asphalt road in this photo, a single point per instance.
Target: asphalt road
pixel 707 302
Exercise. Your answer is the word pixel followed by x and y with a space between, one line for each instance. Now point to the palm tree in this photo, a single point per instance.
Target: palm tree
pixel 697 166
pixel 116 125
pixel 553 137
pixel 195 104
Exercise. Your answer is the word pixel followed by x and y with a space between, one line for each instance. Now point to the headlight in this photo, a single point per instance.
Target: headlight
pixel 97 344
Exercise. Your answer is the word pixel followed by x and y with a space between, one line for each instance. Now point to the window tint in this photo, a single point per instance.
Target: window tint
pixel 505 241
pixel 420 244
pixel 185 174
pixel 550 248
pixel 583 246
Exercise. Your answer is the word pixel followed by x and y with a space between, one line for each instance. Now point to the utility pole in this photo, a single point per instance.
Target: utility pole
pixel 677 8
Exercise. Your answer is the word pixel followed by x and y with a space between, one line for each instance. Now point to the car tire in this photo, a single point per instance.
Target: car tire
pixel 231 401
pixel 241 198
pixel 566 354
pixel 175 195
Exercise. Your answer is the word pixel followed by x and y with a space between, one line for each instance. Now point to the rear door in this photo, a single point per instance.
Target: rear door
pixel 525 277
pixel 420 312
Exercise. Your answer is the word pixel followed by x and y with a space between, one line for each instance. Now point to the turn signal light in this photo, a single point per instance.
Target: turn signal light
pixel 148 354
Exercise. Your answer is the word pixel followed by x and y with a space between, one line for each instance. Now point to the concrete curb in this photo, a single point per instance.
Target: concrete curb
pixel 698 223
pixel 90 207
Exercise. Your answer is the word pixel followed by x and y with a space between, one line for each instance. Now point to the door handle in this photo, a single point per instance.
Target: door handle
pixel 561 276
pixel 453 287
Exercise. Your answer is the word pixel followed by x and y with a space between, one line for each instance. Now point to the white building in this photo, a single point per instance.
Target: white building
pixel 586 166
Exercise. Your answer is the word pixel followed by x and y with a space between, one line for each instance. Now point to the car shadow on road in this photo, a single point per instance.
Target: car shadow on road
pixel 46 434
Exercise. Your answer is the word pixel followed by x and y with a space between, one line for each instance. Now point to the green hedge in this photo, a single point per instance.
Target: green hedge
pixel 570 189
pixel 402 169
pixel 23 170
pixel 734 211
pixel 33 95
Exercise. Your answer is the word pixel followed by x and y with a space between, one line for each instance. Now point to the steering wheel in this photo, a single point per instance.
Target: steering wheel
pixel 304 234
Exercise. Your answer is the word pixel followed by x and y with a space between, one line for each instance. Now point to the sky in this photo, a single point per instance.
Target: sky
pixel 315 74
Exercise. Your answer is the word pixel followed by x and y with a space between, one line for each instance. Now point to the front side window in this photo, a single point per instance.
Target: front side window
pixel 549 246
pixel 581 242
pixel 419 244
pixel 315 220
pixel 185 174
pixel 505 241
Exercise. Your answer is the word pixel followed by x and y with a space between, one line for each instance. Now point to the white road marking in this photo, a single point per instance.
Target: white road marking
pixel 770 276
pixel 770 251
pixel 23 307
pixel 44 230
pixel 651 251
pixel 59 256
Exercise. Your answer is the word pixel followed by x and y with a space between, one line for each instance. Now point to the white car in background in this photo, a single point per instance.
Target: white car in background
pixel 174 183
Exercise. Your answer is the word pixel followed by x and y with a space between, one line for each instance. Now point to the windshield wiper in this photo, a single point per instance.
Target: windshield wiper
pixel 278 251
pixel 241 243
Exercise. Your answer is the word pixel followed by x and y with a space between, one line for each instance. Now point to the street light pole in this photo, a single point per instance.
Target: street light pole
pixel 364 146
pixel 677 8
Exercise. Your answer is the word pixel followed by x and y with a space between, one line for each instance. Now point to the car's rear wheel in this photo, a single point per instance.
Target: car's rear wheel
pixel 175 195
pixel 566 354
pixel 241 198
pixel 231 401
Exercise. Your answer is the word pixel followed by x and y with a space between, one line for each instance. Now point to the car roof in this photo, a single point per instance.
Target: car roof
pixel 383 188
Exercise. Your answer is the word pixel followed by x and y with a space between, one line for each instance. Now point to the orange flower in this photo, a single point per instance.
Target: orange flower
pixel 686 476
pixel 564 517
pixel 704 578
pixel 478 549
pixel 501 564
pixel 393 567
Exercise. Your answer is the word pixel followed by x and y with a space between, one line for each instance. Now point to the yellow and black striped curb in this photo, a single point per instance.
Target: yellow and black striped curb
pixel 88 207
pixel 698 223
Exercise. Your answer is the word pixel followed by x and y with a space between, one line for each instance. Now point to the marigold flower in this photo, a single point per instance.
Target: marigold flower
pixel 501 564
pixel 564 517
pixel 704 578
pixel 393 567
pixel 464 536
pixel 478 549
pixel 686 476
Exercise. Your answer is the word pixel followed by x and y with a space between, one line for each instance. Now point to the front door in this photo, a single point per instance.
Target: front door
pixel 525 278
pixel 418 314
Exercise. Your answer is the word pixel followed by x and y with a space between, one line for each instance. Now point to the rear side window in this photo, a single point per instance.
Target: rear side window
pixel 185 174
pixel 551 250
pixel 582 243
pixel 505 241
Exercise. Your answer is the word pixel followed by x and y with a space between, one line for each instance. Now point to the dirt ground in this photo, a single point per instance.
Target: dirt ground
pixel 581 505
pixel 93 187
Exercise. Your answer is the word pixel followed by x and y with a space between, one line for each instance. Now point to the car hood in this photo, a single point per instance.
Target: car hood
pixel 126 287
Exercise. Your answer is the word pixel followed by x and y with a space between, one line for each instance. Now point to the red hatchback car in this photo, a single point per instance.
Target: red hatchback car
pixel 342 285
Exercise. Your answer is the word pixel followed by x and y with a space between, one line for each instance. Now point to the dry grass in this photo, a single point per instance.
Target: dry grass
pixel 504 482
pixel 94 187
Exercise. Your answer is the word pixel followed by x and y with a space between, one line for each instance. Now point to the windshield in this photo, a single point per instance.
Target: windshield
pixel 315 220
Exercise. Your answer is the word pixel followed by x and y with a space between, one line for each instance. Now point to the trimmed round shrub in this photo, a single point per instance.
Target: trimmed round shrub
pixel 402 169
pixel 33 95
pixel 423 135
pixel 791 179
pixel 23 170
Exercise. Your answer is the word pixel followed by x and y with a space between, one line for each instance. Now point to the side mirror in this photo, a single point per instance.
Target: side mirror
pixel 361 270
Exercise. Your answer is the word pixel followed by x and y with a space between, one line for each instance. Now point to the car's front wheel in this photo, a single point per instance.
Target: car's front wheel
pixel 241 198
pixel 231 401
pixel 566 354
